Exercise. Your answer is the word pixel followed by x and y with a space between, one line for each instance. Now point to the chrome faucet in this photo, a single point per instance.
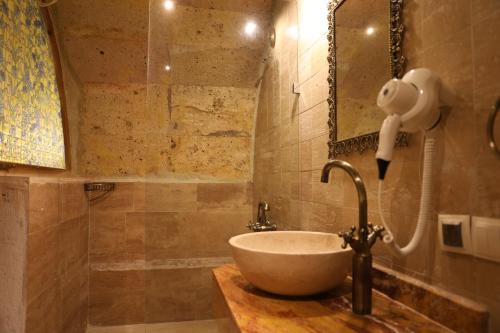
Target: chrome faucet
pixel 263 223
pixel 361 242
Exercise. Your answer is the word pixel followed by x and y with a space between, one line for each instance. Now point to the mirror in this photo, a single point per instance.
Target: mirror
pixel 365 38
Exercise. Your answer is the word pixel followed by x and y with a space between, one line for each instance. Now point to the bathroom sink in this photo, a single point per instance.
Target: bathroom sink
pixel 293 263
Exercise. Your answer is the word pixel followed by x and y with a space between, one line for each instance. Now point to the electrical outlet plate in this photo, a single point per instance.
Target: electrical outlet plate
pixel 455 233
pixel 486 238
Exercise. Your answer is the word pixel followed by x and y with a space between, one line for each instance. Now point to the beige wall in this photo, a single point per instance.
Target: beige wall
pixel 195 122
pixel 13 234
pixel 207 133
pixel 276 151
pixel 152 251
pixel 45 225
pixel 57 257
pixel 177 144
pixel 44 256
pixel 456 39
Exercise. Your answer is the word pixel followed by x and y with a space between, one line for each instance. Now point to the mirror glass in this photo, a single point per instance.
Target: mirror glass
pixel 363 65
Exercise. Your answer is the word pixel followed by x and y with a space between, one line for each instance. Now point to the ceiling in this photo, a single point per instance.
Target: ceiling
pixel 202 40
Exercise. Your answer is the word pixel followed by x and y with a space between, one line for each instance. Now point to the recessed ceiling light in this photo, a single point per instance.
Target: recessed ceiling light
pixel 293 32
pixel 370 30
pixel 250 28
pixel 167 68
pixel 168 4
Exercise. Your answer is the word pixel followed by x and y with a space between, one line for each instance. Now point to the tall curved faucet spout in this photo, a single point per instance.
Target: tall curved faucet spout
pixel 360 187
pixel 360 243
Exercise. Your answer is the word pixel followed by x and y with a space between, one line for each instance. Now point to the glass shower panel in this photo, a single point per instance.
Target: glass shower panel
pixel 206 60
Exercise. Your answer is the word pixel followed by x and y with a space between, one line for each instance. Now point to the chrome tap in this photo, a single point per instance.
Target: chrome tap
pixel 263 223
pixel 360 241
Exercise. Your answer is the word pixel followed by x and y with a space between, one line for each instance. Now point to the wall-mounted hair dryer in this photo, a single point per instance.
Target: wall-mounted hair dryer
pixel 412 105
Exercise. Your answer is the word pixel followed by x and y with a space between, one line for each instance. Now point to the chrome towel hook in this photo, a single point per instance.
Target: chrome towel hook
pixel 490 128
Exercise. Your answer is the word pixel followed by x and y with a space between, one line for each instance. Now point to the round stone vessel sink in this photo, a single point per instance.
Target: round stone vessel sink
pixel 292 263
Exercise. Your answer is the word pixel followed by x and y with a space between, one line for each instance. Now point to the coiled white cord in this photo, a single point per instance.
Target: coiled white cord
pixel 425 203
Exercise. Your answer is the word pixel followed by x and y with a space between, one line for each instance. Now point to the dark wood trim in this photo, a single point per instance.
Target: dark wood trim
pixel 45 12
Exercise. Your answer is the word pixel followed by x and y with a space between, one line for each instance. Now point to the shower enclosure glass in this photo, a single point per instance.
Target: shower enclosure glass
pixel 211 66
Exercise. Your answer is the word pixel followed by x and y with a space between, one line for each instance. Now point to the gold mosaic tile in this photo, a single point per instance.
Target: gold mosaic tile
pixel 31 129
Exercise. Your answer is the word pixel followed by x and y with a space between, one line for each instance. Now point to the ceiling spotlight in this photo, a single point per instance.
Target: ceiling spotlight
pixel 167 68
pixel 250 28
pixel 293 32
pixel 370 30
pixel 168 4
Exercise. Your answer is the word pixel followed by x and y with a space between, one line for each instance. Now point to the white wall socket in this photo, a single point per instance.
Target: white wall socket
pixel 455 233
pixel 486 238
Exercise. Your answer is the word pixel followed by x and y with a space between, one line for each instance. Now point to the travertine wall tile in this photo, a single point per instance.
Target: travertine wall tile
pixel 224 196
pixel 14 207
pixel 57 281
pixel 107 236
pixel 43 273
pixel 313 91
pixel 456 39
pixel 73 201
pixel 444 19
pixel 195 121
pixel 135 234
pixel 191 235
pixel 312 60
pixel 305 156
pixel 45 206
pixel 483 8
pixel 97 60
pixel 176 131
pixel 178 294
pixel 116 297
pixel 44 313
pixel 170 197
pixel 312 22
pixel 123 198
pixel 161 232
pixel 125 19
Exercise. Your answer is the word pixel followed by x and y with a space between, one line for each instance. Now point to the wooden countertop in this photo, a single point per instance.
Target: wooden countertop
pixel 255 311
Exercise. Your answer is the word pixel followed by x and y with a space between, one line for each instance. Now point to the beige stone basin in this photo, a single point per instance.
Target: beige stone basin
pixel 293 263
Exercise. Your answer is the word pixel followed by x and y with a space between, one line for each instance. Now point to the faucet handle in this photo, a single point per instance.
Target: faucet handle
pixel 347 236
pixel 378 230
pixel 375 232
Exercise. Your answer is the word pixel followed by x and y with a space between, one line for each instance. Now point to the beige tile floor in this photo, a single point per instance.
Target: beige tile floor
pixel 198 326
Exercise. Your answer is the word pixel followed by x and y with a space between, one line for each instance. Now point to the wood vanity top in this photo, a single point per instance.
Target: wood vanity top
pixel 255 311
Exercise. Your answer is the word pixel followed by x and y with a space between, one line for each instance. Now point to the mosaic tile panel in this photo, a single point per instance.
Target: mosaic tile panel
pixel 31 130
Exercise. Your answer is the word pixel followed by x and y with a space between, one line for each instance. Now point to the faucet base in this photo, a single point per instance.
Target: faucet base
pixel 362 283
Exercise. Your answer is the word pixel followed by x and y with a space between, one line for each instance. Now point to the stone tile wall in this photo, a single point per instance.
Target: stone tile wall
pixel 137 119
pixel 57 257
pixel 44 256
pixel 13 234
pixel 152 247
pixel 128 131
pixel 457 40
pixel 46 228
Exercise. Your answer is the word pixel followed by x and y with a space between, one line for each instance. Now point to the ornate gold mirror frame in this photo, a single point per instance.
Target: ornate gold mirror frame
pixel 397 66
